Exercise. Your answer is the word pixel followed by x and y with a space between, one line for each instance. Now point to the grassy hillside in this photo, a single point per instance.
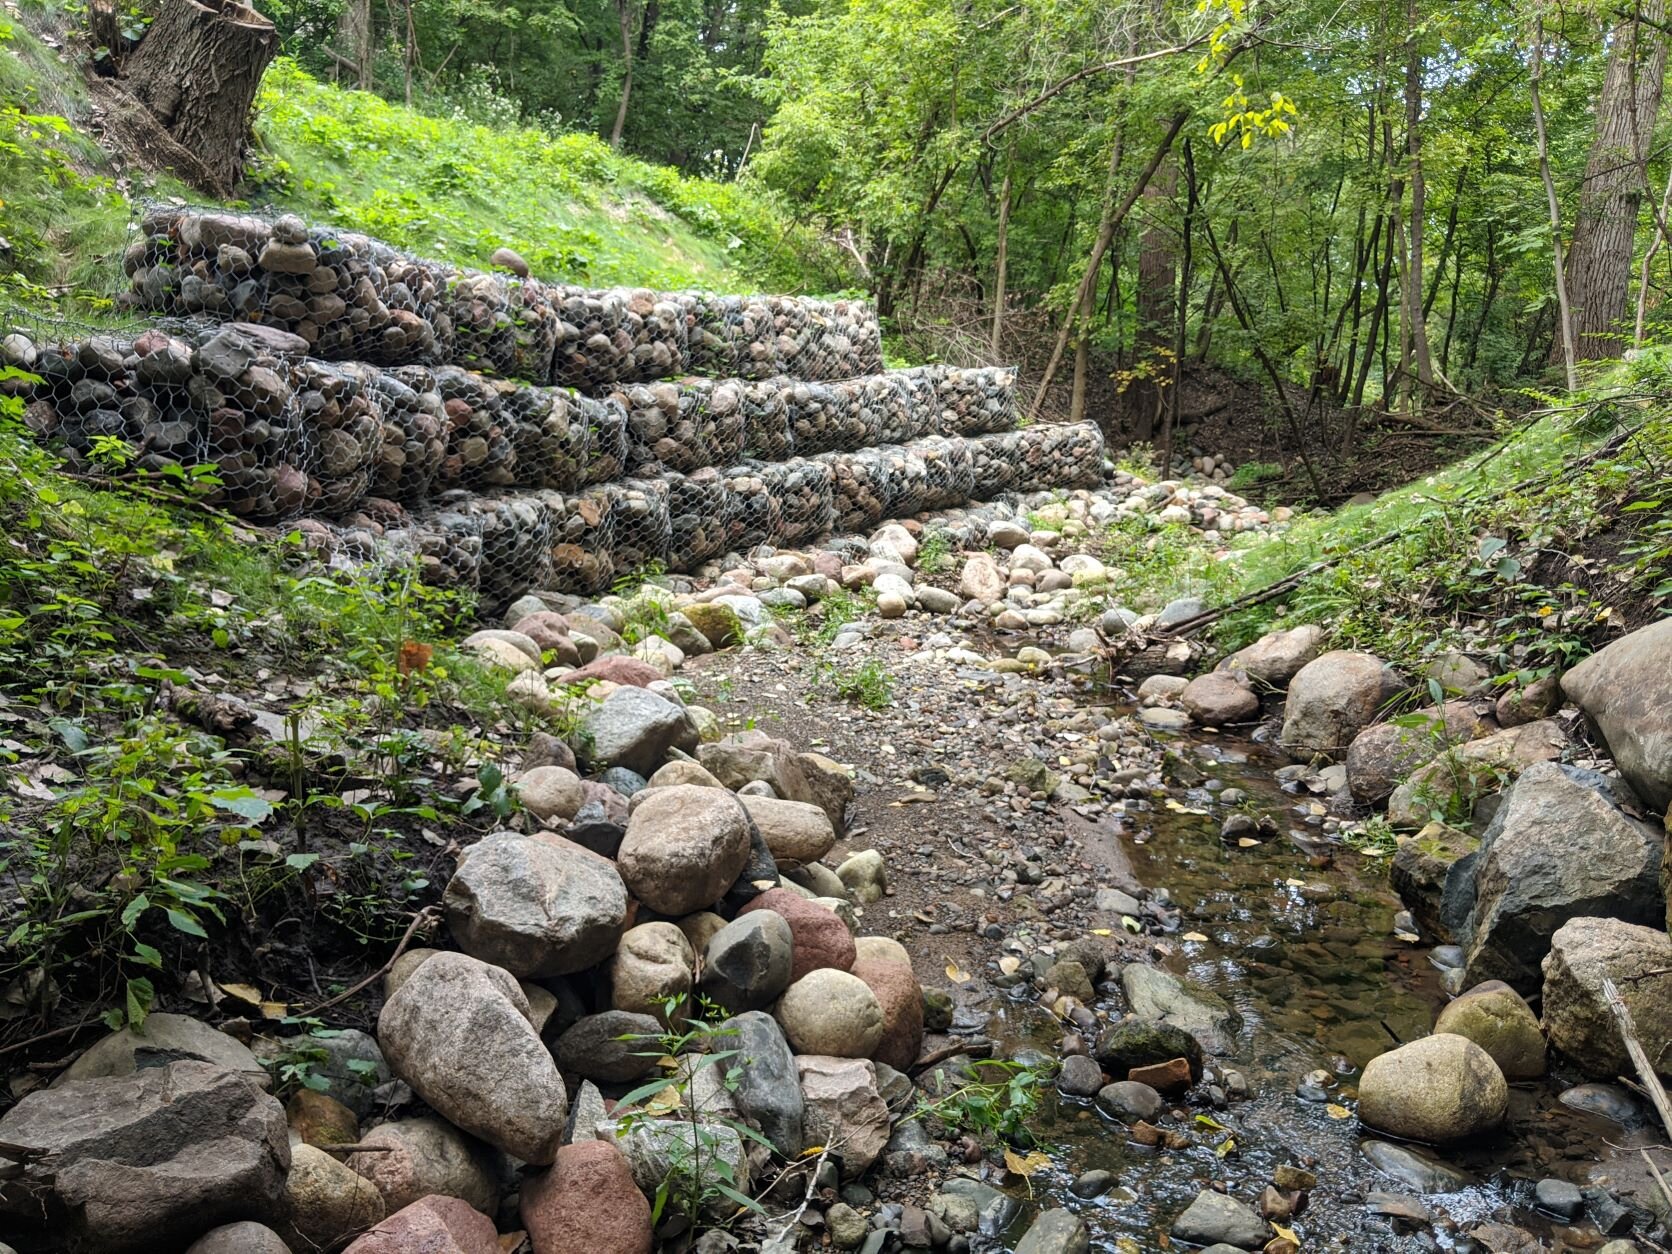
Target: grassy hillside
pixel 574 208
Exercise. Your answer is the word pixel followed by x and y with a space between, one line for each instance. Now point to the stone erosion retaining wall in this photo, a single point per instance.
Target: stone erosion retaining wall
pixel 351 297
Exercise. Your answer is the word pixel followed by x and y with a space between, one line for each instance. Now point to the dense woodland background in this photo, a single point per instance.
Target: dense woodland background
pixel 1282 227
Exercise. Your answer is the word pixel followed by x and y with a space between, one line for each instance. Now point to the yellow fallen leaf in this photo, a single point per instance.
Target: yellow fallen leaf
pixel 664 1099
pixel 1246 842
pixel 1294 883
pixel 812 1151
pixel 1025 1166
pixel 1130 924
pixel 243 992
pixel 1338 1112
pixel 1208 1121
pixel 1224 1147
pixel 1101 931
pixel 1288 1234
pixel 1010 964
pixel 955 973
pixel 274 1009
pixel 1126 1245
pixel 1193 936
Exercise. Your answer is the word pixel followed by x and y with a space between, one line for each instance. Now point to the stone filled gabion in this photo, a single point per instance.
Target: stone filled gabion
pixel 619 335
pixel 996 461
pixel 911 407
pixel 699 517
pixel 502 324
pixel 350 297
pixel 342 417
pixel 229 403
pixel 582 530
pixel 414 434
pixel 757 514
pixel 550 431
pixel 480 452
pixel 976 400
pixel 606 442
pixel 643 528
pixel 1059 456
pixel 759 337
pixel 862 492
pixel 828 417
pixel 684 426
pixel 447 545
pixel 515 542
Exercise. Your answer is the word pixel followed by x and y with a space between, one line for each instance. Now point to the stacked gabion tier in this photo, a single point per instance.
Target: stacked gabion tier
pixel 505 433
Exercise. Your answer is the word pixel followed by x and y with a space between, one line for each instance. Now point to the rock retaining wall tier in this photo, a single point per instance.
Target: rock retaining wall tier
pixel 352 297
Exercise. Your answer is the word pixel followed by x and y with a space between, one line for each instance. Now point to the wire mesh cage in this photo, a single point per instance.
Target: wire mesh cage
pixel 976 400
pixel 911 407
pixel 503 325
pixel 619 335
pixel 683 426
pixel 700 508
pixel 996 462
pixel 949 474
pixel 414 433
pixel 342 417
pixel 348 296
pixel 643 528
pixel 550 430
pixel 832 417
pixel 515 542
pixel 862 488
pixel 582 530
pixel 760 337
pixel 480 452
pixel 1059 456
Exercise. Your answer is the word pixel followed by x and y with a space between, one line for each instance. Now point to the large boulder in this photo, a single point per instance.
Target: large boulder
pixel 409 1159
pixel 660 1151
pixel 535 905
pixel 1380 757
pixel 1333 698
pixel 901 998
pixel 797 832
pixel 613 1047
pixel 981 580
pixel 1218 698
pixel 162 1039
pixel 636 729
pixel 1215 1219
pixel 1277 657
pixel 652 966
pixel 550 792
pixel 831 1012
pixel 1495 1017
pixel 1157 996
pixel 1625 691
pixel 844 1109
pixel 1056 1231
pixel 242 1237
pixel 459 1031
pixel 761 1075
pixel 325 1203
pixel 1134 1044
pixel 1559 848
pixel 431 1225
pixel 748 961
pixel 1438 1089
pixel 1576 1015
pixel 747 757
pixel 1450 785
pixel 685 846
pixel 145 1161
pixel 588 1202
pixel 820 938
pixel 1433 873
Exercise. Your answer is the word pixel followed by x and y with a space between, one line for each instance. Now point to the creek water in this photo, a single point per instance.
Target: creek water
pixel 1299 941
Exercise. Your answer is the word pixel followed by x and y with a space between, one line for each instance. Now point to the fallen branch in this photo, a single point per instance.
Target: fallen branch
pixel 1639 1056
pixel 975 1049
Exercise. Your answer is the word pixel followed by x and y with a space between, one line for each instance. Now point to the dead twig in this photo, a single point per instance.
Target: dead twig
pixel 426 918
pixel 1639 1057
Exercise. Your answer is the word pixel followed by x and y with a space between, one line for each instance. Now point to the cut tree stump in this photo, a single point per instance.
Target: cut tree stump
pixel 196 73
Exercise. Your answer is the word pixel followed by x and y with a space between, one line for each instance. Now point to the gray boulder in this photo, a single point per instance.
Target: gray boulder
pixel 767 1090
pixel 1625 691
pixel 144 1161
pixel 1576 1015
pixel 535 905
pixel 1277 657
pixel 593 1047
pixel 1559 848
pixel 1215 1219
pixel 1495 1017
pixel 1458 778
pixel 1380 757
pixel 1056 1232
pixel 459 1031
pixel 635 729
pixel 1333 698
pixel 163 1039
pixel 352 1069
pixel 1433 873
pixel 243 1237
pixel 748 961
pixel 1157 996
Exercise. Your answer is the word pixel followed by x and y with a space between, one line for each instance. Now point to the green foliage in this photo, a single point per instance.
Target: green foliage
pixel 934 552
pixel 700 1178
pixel 990 1098
pixel 575 209
pixel 869 684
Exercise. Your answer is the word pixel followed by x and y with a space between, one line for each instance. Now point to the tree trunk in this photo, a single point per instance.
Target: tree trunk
pixel 196 73
pixel 624 10
pixel 1416 319
pixel 354 38
pixel 1000 265
pixel 1153 335
pixel 1564 332
pixel 1599 260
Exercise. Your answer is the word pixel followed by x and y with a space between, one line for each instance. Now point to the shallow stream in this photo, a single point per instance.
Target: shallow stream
pixel 1298 939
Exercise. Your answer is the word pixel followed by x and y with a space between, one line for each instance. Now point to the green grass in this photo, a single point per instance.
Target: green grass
pixel 576 209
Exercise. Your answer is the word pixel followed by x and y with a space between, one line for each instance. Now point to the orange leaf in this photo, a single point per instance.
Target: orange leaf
pixel 413 657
